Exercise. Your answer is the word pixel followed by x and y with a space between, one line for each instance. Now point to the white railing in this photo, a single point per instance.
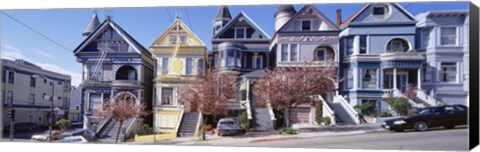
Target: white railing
pixel 179 121
pixel 327 111
pixel 388 93
pixel 248 108
pixel 429 99
pixel 199 123
pixel 134 126
pixel 348 108
pixel 270 111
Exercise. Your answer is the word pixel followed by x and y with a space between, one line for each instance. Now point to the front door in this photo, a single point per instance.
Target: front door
pixel 402 81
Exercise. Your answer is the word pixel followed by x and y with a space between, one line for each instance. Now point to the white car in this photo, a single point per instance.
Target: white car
pixel 74 139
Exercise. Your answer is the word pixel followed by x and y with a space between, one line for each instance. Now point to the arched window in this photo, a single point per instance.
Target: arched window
pixel 397 45
pixel 323 53
pixel 126 73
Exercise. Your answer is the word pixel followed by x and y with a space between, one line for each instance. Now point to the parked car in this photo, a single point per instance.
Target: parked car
pixel 227 126
pixel 447 116
pixel 76 132
pixel 44 136
pixel 74 139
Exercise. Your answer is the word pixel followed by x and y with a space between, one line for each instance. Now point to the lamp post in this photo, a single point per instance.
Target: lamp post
pixel 50 123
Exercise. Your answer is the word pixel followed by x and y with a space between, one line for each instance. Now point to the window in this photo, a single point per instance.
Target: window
pixel 320 54
pixel 448 36
pixel 257 62
pixel 426 73
pixel 173 39
pixel 425 37
pixel 230 57
pixel 363 44
pixel 200 67
pixel 11 77
pixel 240 33
pixel 4 76
pixel 77 107
pixel 379 10
pixel 95 101
pixel 164 65
pixel 397 45
pixel 293 52
pixel 369 80
pixel 306 25
pixel 31 98
pixel 189 66
pixel 284 51
pixel 44 80
pixel 349 46
pixel 448 72
pixel 167 96
pixel 32 81
pixel 350 79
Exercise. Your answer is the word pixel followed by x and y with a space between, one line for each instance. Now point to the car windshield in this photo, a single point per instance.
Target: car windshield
pixel 227 123
pixel 425 111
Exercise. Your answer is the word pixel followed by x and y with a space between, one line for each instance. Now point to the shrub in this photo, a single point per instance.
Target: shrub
pixel 367 108
pixel 385 114
pixel 244 121
pixel 399 104
pixel 287 131
pixel 63 124
pixel 318 112
pixel 326 120
pixel 145 129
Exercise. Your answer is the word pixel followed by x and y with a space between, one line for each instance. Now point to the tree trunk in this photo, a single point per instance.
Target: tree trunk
pixel 118 132
pixel 203 128
pixel 289 112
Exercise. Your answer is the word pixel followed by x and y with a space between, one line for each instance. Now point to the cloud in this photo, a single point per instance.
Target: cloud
pixel 11 53
pixel 43 53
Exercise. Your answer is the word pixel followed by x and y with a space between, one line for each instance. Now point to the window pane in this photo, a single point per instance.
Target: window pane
pixel 306 25
pixel 293 52
pixel 240 33
pixel 230 57
pixel 284 51
pixel 449 72
pixel 448 35
pixel 379 11
pixel 167 96
pixel 320 56
pixel 363 44
pixel 200 67
pixel 369 78
pixel 350 79
pixel 173 39
pixel 349 45
pixel 189 66
pixel 164 65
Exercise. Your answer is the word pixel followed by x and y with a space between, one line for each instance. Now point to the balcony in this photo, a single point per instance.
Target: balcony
pixel 401 56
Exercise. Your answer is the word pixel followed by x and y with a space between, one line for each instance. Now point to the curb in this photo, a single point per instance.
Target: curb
pixel 274 139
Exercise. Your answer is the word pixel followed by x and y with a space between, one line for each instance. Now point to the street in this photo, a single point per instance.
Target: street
pixel 438 139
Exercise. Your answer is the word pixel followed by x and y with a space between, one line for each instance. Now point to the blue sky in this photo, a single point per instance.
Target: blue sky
pixel 144 24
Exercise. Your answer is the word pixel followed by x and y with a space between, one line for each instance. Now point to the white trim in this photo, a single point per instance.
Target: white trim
pixel 392 38
pixel 254 61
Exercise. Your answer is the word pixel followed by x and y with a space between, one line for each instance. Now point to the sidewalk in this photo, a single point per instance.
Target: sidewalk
pixel 302 133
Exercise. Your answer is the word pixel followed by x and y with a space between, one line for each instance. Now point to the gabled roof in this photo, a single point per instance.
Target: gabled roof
pixel 320 15
pixel 247 20
pixel 361 10
pixel 183 26
pixel 102 27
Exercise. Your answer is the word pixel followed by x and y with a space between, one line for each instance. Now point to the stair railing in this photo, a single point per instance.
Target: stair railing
pixel 103 126
pixel 349 109
pixel 429 99
pixel 199 122
pixel 327 111
pixel 179 122
pixel 133 126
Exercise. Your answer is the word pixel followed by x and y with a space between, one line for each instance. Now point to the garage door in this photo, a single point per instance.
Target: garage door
pixel 300 115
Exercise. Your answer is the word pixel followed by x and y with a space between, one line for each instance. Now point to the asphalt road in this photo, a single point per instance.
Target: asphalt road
pixel 438 139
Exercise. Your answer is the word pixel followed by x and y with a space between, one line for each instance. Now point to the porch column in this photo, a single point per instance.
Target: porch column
pixel 395 78
pixel 419 79
pixel 355 78
pixel 356 44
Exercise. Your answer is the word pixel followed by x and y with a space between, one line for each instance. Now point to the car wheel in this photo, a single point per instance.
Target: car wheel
pixel 449 126
pixel 421 126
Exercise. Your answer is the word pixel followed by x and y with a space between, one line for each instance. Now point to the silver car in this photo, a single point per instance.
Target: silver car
pixel 227 126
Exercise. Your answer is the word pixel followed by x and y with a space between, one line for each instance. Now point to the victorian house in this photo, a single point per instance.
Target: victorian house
pixel 113 63
pixel 443 36
pixel 379 58
pixel 180 59
pixel 306 36
pixel 239 44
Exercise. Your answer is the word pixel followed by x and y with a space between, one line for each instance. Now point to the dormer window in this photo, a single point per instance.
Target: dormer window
pixel 380 11
pixel 306 25
pixel 240 33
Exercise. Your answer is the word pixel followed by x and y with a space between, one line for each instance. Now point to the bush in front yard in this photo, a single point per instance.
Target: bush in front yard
pixel 244 121
pixel 326 121
pixel 385 114
pixel 366 108
pixel 399 104
pixel 287 131
pixel 318 112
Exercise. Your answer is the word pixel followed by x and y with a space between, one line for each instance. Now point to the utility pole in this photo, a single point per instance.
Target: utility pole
pixel 12 123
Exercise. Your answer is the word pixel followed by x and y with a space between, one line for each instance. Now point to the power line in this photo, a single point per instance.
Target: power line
pixel 30 28
pixel 169 15
pixel 188 18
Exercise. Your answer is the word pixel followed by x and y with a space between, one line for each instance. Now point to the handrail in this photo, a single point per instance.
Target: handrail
pixel 199 122
pixel 132 126
pixel 270 111
pixel 353 114
pixel 429 99
pixel 327 111
pixel 180 117
pixel 102 124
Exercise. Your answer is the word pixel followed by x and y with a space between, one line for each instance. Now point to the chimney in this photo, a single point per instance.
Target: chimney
pixel 339 17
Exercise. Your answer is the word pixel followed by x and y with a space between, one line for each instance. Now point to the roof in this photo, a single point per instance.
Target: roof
pixel 361 10
pixel 103 26
pixel 223 13
pixel 183 26
pixel 92 25
pixel 286 8
pixel 247 19
pixel 321 15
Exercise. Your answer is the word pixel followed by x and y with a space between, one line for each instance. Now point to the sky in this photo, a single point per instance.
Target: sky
pixel 65 27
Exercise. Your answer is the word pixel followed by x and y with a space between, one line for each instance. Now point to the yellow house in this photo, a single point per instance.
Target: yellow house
pixel 180 58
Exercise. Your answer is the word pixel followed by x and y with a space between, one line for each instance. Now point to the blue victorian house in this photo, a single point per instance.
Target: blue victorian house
pixel 113 63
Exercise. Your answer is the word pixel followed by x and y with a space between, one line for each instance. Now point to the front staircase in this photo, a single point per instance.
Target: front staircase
pixel 341 115
pixel 108 132
pixel 188 125
pixel 262 120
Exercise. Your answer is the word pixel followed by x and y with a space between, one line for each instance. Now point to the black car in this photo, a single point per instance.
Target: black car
pixel 447 116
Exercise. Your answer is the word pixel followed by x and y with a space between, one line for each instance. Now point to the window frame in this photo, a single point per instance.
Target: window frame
pixel 455 36
pixel 33 81
pixel 236 31
pixel 444 74
pixel 188 66
pixel 162 96
pixel 254 62
pixel 165 65
pixel 364 44
pixel 372 80
pixel 320 49
pixel 31 98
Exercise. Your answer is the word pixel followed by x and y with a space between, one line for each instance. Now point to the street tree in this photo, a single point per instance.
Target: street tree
pixel 210 94
pixel 285 88
pixel 63 124
pixel 120 109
